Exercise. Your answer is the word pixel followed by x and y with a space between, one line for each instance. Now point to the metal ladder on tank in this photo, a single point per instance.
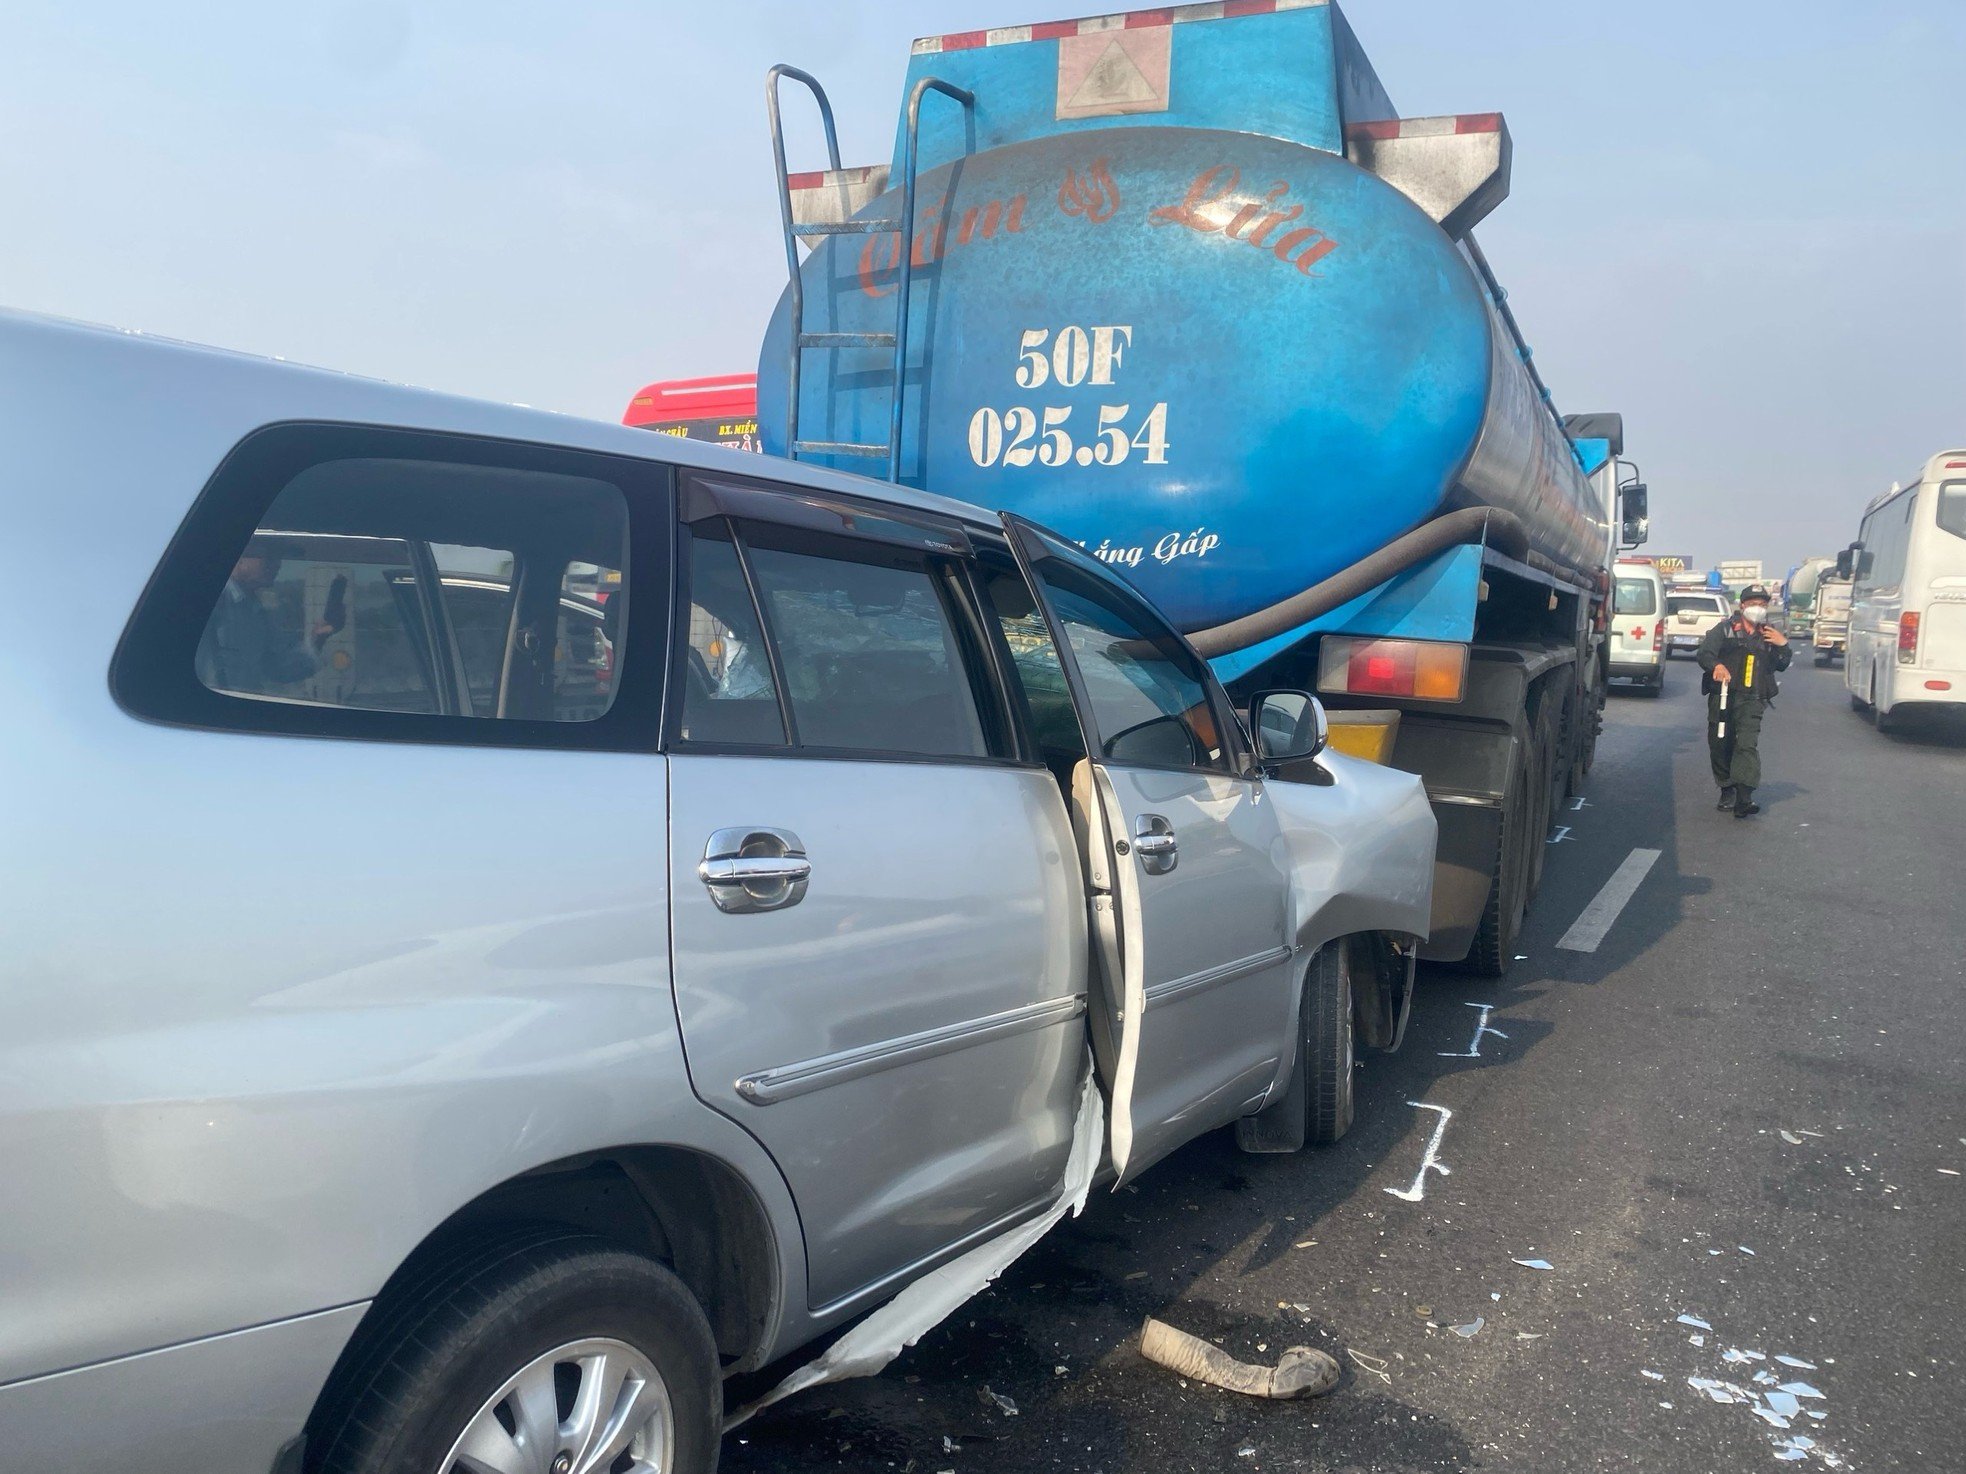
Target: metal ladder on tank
pixel 801 340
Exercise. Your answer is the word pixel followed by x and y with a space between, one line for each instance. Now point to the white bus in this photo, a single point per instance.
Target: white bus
pixel 1907 643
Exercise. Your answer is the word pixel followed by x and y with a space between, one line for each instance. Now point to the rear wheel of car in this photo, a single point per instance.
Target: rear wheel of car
pixel 538 1350
pixel 1658 685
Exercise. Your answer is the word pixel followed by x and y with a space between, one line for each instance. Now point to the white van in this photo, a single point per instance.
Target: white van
pixel 1637 648
pixel 1908 608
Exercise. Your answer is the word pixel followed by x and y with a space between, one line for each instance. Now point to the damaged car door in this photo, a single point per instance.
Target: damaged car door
pixel 879 927
pixel 1186 862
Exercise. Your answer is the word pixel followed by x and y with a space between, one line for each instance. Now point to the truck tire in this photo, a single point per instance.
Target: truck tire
pixel 1501 918
pixel 465 1349
pixel 1316 1109
pixel 1547 790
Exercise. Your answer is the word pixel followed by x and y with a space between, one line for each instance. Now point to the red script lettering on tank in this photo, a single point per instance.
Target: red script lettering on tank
pixel 934 239
pixel 1093 195
pixel 1216 203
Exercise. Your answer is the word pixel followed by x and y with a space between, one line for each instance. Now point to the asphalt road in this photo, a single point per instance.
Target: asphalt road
pixel 1748 1107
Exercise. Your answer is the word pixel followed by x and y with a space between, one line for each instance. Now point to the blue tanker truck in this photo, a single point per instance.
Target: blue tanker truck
pixel 1183 285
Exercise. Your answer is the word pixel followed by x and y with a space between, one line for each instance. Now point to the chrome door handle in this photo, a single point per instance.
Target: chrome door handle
pixel 1154 842
pixel 755 868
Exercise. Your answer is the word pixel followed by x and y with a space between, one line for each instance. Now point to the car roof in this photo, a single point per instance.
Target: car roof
pixel 381 401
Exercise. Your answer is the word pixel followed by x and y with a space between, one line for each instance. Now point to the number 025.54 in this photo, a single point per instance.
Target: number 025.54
pixel 1020 436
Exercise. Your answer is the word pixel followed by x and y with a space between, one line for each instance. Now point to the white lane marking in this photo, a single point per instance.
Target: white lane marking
pixel 1430 1162
pixel 1473 1051
pixel 1589 929
pixel 1562 833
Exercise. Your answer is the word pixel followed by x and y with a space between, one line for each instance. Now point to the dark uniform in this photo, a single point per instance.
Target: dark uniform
pixel 1753 663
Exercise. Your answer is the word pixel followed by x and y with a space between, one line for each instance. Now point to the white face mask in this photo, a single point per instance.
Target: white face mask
pixel 1754 613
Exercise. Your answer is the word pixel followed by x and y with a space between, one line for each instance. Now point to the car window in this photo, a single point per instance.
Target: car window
pixel 1952 507
pixel 419 587
pixel 728 691
pixel 1693 604
pixel 868 648
pixel 1635 596
pixel 1148 697
pixel 1034 660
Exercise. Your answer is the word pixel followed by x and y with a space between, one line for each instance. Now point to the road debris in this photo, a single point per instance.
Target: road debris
pixel 1694 1321
pixel 1533 1263
pixel 1370 1364
pixel 1300 1372
pixel 1004 1405
pixel 1471 1329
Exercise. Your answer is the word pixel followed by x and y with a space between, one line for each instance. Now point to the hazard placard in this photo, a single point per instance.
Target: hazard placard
pixel 1101 73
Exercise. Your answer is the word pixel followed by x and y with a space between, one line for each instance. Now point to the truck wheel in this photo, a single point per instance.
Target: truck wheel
pixel 540 1348
pixel 1501 918
pixel 1549 796
pixel 1316 1109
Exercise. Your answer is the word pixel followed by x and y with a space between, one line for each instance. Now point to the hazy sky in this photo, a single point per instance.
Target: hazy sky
pixel 1742 223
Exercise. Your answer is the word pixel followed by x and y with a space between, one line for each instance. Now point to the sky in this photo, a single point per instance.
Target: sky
pixel 1740 223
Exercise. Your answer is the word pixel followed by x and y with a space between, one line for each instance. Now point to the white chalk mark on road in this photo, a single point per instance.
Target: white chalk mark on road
pixel 1473 1051
pixel 1589 929
pixel 1430 1162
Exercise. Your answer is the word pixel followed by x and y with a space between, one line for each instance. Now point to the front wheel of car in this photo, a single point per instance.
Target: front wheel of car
pixel 540 1352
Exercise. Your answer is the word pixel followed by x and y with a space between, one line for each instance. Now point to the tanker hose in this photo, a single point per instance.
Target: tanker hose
pixel 1502 531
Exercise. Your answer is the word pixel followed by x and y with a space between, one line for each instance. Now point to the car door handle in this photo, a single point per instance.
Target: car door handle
pixel 1154 841
pixel 755 868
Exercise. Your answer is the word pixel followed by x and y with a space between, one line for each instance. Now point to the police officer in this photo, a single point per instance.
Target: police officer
pixel 1741 656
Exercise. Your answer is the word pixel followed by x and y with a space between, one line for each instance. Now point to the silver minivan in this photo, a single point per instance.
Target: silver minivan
pixel 511 920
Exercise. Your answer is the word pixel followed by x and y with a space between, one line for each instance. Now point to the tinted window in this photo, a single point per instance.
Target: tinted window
pixel 367 582
pixel 869 651
pixel 728 693
pixel 1035 663
pixel 1148 697
pixel 1635 596
pixel 338 597
pixel 1952 507
pixel 1693 604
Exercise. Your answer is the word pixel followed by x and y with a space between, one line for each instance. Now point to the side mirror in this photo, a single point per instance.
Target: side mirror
pixel 1288 725
pixel 1636 504
pixel 1846 560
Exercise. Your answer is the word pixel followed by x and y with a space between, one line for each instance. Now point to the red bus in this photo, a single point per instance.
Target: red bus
pixel 722 410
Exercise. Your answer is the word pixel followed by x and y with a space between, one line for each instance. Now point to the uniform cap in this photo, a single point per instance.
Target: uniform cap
pixel 1756 591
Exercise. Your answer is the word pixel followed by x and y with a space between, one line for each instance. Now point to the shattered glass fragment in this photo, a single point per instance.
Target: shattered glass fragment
pixel 1783 1402
pixel 1695 1322
pixel 1800 1389
pixel 1791 1138
pixel 1471 1329
pixel 1533 1263
pixel 1796 1361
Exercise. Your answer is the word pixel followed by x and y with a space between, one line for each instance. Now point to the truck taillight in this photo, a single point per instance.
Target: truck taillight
pixel 1907 637
pixel 1426 670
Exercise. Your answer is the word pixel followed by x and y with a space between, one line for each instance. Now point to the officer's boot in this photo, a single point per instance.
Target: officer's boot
pixel 1744 804
pixel 1726 798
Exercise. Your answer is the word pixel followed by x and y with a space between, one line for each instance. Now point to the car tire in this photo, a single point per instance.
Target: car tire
pixel 1657 687
pixel 1317 1106
pixel 1329 1045
pixel 518 1324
